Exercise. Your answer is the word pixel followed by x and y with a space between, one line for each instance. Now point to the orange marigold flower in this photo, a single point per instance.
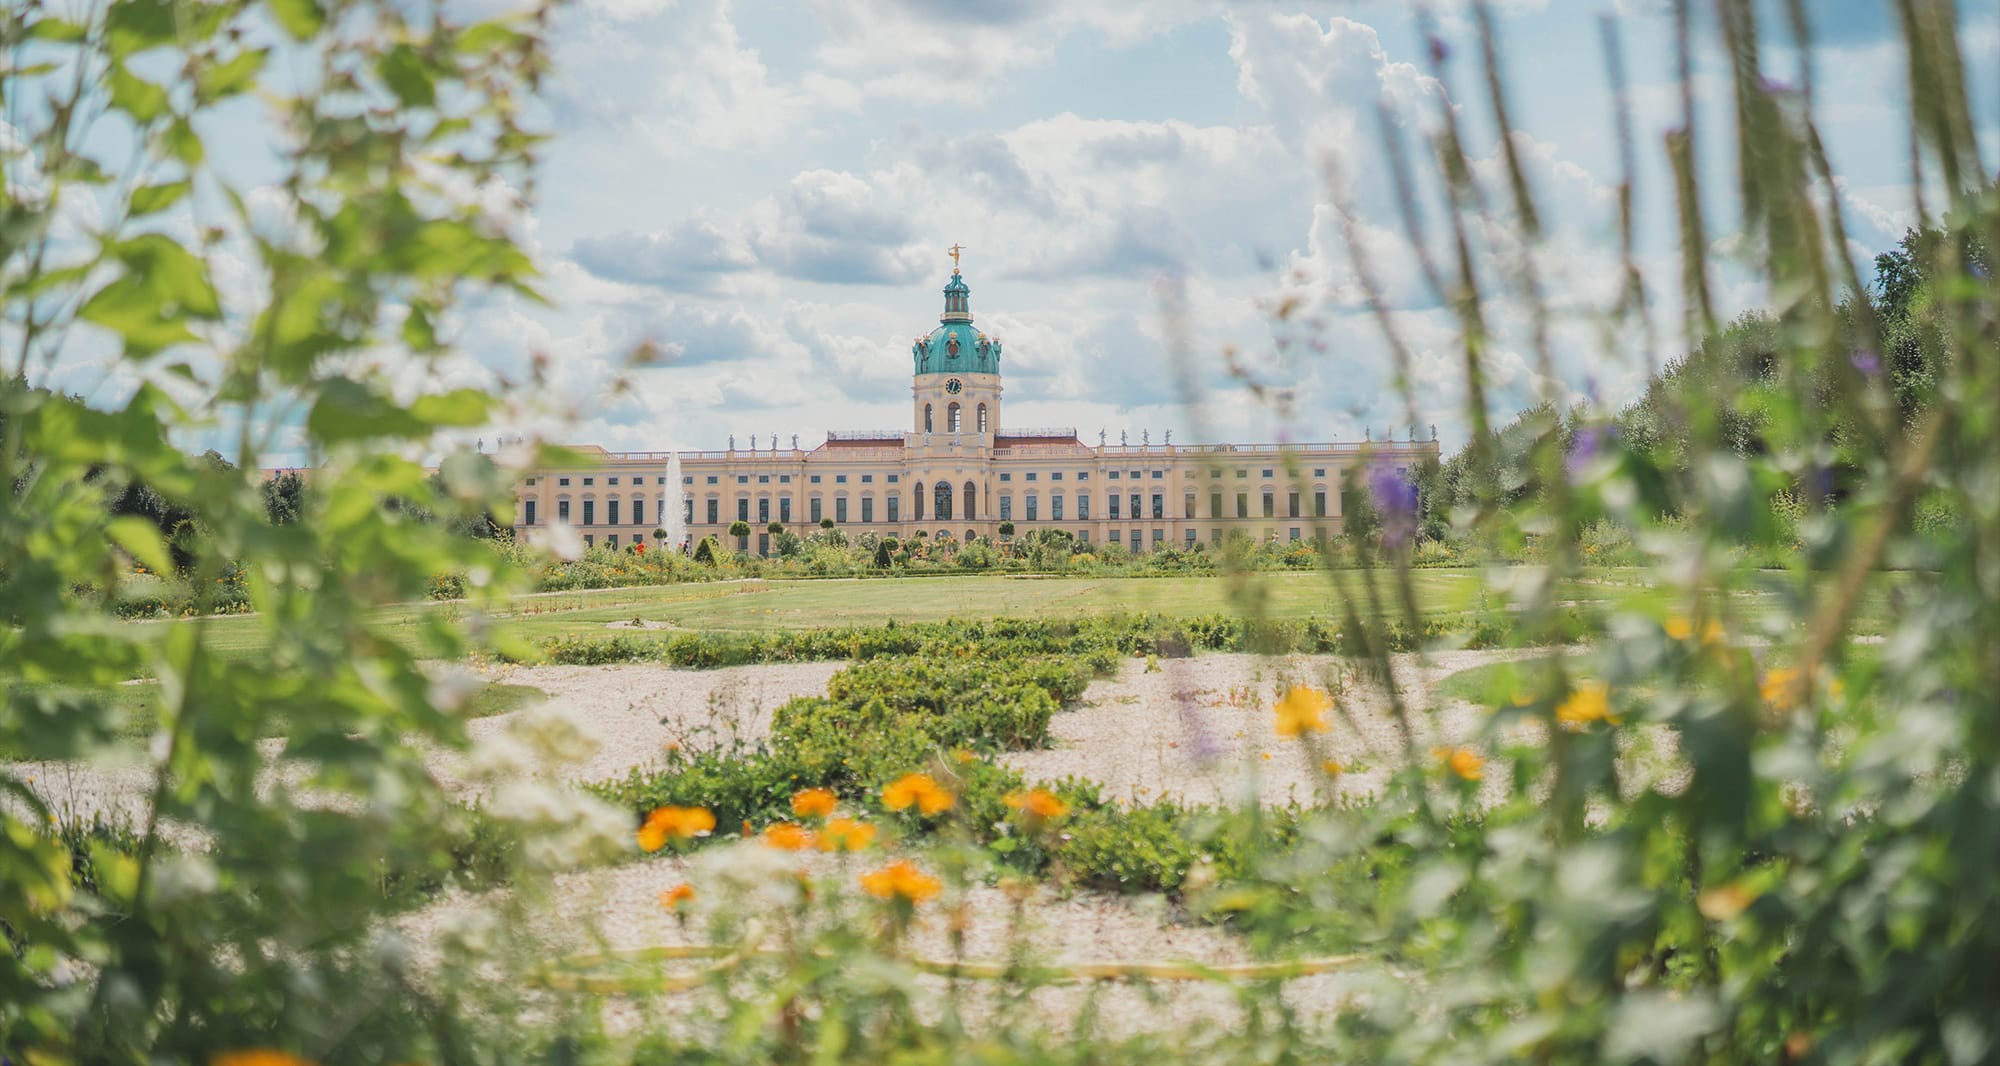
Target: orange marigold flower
pixel 1589 702
pixel 919 790
pixel 1781 688
pixel 1464 762
pixel 901 880
pixel 258 1057
pixel 1037 803
pixel 788 837
pixel 1333 768
pixel 846 834
pixel 677 897
pixel 1301 711
pixel 813 803
pixel 674 823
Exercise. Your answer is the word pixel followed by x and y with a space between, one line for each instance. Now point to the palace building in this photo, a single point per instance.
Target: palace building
pixel 960 470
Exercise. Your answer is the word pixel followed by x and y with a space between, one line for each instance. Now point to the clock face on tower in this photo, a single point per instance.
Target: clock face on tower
pixel 954 386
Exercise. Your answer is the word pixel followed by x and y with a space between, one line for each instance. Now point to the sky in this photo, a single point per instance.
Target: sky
pixel 1150 197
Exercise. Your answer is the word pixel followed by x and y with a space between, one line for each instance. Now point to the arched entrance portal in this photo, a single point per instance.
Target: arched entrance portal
pixel 942 502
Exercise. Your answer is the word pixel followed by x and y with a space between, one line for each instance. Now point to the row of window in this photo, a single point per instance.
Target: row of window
pixel 1138 507
pixel 866 479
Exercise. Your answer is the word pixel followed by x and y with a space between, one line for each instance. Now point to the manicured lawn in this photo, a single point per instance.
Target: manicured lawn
pixel 756 605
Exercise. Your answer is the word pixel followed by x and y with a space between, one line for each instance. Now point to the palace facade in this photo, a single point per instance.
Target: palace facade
pixel 959 470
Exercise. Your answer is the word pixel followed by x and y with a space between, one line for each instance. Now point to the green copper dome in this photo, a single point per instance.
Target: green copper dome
pixel 955 347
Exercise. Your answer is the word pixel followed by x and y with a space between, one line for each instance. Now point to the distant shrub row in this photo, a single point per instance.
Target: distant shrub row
pixel 1118 635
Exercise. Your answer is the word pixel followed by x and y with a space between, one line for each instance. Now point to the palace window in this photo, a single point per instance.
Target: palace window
pixel 813 509
pixel 1111 505
pixel 1190 536
pixel 1032 509
pixel 1319 471
pixel 611 512
pixel 868 508
pixel 1270 504
pixel 1006 477
pixel 1215 505
pixel 1057 476
pixel 1112 474
pixel 528 517
pixel 1134 475
pixel 1135 506
pixel 763 479
pixel 814 479
pixel 1056 508
pixel 743 508
pixel 895 507
pixel 840 479
pixel 840 509
pixel 1267 472
pixel 982 418
pixel 1006 507
pixel 953 419
pixel 1030 477
pixel 1243 473
pixel 1242 505
pixel 1083 507
pixel 1158 474
pixel 867 479
pixel 1295 533
pixel 742 479
pixel 1084 476
pixel 785 509
pixel 590 512
pixel 893 479
pixel 611 542
pixel 562 481
pixel 1292 506
pixel 714 510
pixel 562 510
pixel 611 481
pixel 1319 504
pixel 1159 505
pixel 711 479
pixel 927 418
pixel 686 480
pixel 1187 506
pixel 784 479
pixel 764 511
pixel 1115 536
pixel 590 481
pixel 687 510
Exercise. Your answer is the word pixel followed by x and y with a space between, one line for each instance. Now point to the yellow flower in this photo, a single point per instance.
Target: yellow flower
pixel 258 1057
pixel 1681 628
pixel 1781 688
pixel 927 795
pixel 1722 904
pixel 1302 710
pixel 963 756
pixel 677 897
pixel 1464 762
pixel 1037 803
pixel 1333 768
pixel 785 836
pixel 674 823
pixel 813 803
pixel 901 880
pixel 846 834
pixel 1588 702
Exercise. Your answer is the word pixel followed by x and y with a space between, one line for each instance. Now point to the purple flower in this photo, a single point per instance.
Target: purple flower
pixel 1584 446
pixel 1395 497
pixel 1867 362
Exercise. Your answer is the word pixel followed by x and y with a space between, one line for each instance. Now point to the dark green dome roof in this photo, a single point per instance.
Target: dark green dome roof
pixel 955 347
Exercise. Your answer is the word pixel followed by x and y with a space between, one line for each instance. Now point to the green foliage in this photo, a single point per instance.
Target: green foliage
pixel 126 947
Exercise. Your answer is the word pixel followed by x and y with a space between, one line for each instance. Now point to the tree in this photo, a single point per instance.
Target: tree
pixel 775 528
pixel 739 528
pixel 826 523
pixel 1006 529
pixel 704 552
pixel 284 497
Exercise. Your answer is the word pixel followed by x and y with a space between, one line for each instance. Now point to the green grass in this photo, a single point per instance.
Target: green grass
pixel 759 605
